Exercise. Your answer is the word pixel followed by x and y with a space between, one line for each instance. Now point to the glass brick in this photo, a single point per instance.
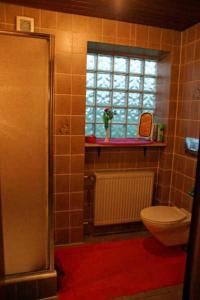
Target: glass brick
pixel 134 83
pixel 150 67
pixel 89 129
pixel 118 131
pixel 120 116
pixel 119 99
pixel 99 114
pixel 148 110
pixel 103 98
pixel 132 130
pixel 90 80
pixel 100 131
pixel 105 63
pixel 136 66
pixel 120 64
pixel 104 81
pixel 90 97
pixel 134 99
pixel 89 114
pixel 150 84
pixel 119 82
pixel 133 115
pixel 149 100
pixel 91 62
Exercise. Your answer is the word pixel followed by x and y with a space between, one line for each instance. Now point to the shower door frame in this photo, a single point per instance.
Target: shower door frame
pixel 4 279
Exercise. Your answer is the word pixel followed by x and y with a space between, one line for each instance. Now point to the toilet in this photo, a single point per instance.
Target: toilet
pixel 169 224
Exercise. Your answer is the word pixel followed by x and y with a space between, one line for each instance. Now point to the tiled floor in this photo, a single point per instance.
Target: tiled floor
pixel 168 293
pixel 115 237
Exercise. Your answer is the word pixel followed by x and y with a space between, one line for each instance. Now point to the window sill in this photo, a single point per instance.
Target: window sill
pixel 127 142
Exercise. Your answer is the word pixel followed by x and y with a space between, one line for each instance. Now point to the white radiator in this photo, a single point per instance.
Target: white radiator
pixel 120 196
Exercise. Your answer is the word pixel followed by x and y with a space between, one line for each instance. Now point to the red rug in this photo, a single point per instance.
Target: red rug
pixel 113 269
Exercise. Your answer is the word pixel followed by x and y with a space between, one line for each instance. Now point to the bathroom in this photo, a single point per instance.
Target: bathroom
pixel 177 106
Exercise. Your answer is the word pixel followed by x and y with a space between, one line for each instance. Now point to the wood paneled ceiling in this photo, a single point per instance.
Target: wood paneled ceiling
pixel 173 14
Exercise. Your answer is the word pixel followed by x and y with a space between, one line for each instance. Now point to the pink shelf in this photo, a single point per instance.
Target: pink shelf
pixel 131 143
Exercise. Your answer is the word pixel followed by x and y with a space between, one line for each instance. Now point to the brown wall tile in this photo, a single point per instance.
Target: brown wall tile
pixel 77 164
pixel 79 64
pixel 77 144
pixel 63 41
pixel 61 183
pixel 63 84
pixel 123 30
pixel 48 19
pixel 94 26
pixel 62 104
pixel 78 84
pixel 109 27
pixel 78 125
pixel 62 202
pixel 12 11
pixel 62 145
pixel 78 105
pixel 64 21
pixel 76 182
pixel 76 201
pixel 61 164
pixel 63 62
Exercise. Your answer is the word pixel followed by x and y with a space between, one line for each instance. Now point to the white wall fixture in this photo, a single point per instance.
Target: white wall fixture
pixel 25 24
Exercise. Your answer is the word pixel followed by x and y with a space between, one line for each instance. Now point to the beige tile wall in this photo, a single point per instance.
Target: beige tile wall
pixel 71 35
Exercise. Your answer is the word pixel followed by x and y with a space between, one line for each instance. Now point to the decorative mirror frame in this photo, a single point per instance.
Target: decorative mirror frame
pixel 145 128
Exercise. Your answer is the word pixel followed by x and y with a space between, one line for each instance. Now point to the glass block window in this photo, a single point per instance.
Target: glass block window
pixel 127 85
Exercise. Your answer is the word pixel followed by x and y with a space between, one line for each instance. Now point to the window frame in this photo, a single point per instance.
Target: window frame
pixel 128 74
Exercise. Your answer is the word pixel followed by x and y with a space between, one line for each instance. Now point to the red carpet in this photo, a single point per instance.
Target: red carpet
pixel 113 269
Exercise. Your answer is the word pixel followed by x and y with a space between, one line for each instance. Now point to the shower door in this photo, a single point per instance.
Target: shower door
pixel 24 151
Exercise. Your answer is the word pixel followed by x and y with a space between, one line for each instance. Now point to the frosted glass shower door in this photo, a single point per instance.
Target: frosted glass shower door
pixel 24 152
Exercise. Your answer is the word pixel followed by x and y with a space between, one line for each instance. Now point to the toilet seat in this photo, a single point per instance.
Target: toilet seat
pixel 164 215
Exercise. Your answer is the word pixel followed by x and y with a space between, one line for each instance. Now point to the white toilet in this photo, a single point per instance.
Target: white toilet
pixel 169 224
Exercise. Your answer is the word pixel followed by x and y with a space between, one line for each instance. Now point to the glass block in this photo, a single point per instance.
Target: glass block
pixel 90 97
pixel 100 131
pixel 133 115
pixel 90 80
pixel 89 129
pixel 119 99
pixel 134 83
pixel 89 114
pixel 103 98
pixel 134 99
pixel 91 62
pixel 120 64
pixel 149 84
pixel 132 131
pixel 118 131
pixel 105 63
pixel 120 116
pixel 136 66
pixel 150 67
pixel 149 100
pixel 99 114
pixel 119 82
pixel 148 110
pixel 104 80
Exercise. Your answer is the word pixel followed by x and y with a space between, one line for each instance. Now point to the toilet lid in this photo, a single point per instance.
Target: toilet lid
pixel 163 214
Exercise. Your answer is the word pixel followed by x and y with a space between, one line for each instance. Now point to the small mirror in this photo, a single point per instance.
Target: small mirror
pixel 145 125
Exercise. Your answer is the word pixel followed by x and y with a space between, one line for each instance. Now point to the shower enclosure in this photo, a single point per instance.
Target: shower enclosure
pixel 25 153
